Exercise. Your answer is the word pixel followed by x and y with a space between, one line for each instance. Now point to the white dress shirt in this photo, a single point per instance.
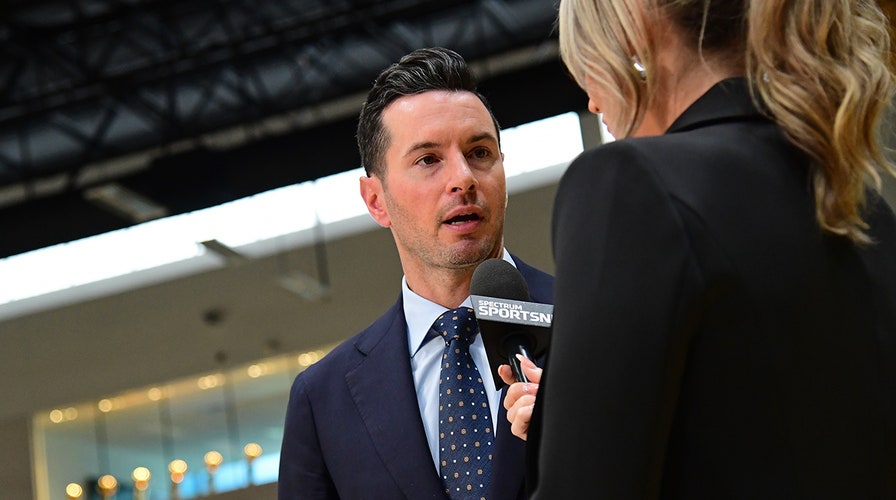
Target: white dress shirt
pixel 420 314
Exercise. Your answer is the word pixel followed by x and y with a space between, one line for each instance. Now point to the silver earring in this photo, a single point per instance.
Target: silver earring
pixel 642 71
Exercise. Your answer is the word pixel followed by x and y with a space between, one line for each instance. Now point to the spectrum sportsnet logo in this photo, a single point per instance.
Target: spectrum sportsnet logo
pixel 513 311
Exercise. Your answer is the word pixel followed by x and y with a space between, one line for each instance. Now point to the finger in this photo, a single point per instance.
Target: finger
pixel 522 402
pixel 514 391
pixel 524 361
pixel 519 426
pixel 519 390
pixel 506 374
pixel 533 374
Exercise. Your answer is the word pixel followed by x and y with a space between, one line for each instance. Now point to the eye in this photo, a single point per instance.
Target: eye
pixel 481 153
pixel 427 160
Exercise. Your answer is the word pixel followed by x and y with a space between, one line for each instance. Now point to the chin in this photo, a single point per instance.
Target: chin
pixel 465 256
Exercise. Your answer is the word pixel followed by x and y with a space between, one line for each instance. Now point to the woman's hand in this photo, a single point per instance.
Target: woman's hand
pixel 520 399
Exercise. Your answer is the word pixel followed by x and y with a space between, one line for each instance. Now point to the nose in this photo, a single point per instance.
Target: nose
pixel 462 178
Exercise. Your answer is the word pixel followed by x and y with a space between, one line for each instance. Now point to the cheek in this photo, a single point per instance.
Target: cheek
pixel 496 192
pixel 412 203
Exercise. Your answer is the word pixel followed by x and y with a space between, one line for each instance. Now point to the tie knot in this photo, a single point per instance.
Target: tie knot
pixel 457 323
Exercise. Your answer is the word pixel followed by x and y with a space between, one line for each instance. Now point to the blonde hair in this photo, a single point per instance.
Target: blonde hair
pixel 821 69
pixel 596 43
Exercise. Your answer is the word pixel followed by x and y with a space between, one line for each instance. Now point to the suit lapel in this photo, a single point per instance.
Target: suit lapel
pixel 508 465
pixel 383 390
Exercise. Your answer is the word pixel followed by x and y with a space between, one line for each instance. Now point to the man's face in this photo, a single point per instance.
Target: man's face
pixel 443 193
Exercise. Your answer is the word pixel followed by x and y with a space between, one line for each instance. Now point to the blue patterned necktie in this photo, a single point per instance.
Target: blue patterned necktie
pixel 465 424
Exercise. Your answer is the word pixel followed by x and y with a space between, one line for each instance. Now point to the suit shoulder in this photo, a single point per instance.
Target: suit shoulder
pixel 734 138
pixel 349 353
pixel 615 155
pixel 540 283
pixel 631 159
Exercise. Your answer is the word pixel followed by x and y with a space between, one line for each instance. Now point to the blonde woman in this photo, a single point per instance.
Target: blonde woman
pixel 725 318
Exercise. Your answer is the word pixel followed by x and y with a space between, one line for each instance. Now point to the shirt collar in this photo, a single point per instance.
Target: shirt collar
pixel 419 313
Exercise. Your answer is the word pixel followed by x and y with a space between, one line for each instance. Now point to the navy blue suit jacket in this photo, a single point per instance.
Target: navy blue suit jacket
pixel 353 426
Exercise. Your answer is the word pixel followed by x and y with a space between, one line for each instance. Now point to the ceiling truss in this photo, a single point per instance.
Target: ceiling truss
pixel 89 82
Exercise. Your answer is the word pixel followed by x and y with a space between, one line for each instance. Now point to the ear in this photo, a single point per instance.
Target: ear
pixel 506 192
pixel 372 194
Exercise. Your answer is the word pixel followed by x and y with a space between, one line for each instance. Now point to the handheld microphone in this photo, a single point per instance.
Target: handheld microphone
pixel 509 322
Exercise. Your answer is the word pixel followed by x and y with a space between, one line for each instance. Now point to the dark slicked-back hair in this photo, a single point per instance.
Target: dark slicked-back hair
pixel 422 70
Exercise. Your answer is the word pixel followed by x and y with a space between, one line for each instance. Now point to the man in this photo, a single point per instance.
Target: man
pixel 364 422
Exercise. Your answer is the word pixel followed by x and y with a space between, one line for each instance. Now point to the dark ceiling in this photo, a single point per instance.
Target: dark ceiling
pixel 192 103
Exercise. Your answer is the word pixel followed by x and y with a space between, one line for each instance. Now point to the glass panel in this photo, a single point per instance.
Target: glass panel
pixel 237 413
pixel 69 446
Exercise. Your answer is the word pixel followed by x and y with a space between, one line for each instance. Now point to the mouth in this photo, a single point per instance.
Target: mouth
pixel 463 218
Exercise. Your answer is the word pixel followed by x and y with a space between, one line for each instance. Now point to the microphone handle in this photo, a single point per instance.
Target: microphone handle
pixel 515 365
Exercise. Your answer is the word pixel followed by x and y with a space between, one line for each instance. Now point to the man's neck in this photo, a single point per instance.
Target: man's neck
pixel 448 288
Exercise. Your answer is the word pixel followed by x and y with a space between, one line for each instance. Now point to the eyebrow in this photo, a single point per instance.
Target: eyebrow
pixel 419 146
pixel 482 137
pixel 472 140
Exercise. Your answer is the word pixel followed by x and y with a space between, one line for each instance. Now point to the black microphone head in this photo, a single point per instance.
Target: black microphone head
pixel 498 278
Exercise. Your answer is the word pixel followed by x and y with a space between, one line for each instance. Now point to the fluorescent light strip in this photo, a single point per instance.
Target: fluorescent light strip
pixel 251 223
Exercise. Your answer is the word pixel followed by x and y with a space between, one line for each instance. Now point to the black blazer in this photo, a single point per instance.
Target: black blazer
pixel 353 427
pixel 709 341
